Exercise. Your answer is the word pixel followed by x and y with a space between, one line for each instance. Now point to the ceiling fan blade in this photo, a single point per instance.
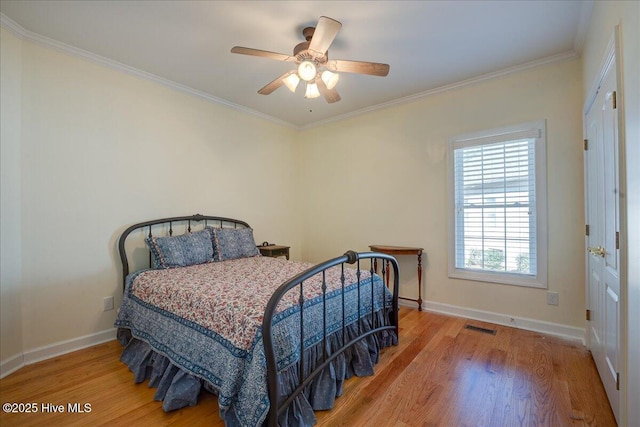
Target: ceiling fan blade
pixel 331 95
pixel 275 84
pixel 262 53
pixel 326 30
pixel 371 68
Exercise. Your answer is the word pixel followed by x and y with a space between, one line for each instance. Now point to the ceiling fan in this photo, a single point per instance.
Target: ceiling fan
pixel 313 64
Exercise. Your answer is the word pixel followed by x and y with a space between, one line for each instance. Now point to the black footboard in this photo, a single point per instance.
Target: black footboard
pixel 390 323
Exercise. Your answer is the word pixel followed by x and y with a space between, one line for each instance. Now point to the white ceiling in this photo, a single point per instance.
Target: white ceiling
pixel 428 44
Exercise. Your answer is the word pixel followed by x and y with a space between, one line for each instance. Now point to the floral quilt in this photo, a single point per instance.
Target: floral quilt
pixel 207 320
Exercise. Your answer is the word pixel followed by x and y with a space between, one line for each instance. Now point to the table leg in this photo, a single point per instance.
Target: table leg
pixel 419 281
pixel 388 272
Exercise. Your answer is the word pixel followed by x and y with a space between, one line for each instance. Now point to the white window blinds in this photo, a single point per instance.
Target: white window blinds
pixel 495 204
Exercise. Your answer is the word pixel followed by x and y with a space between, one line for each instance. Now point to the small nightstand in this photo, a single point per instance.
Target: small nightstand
pixel 274 251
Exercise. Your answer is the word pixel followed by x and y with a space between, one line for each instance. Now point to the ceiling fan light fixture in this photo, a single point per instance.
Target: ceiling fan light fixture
pixel 307 70
pixel 312 91
pixel 330 79
pixel 313 65
pixel 291 82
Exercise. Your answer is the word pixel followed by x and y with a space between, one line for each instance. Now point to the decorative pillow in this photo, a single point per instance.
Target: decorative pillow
pixel 181 251
pixel 232 243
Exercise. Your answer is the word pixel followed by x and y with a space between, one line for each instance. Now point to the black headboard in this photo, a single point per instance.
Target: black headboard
pixel 205 220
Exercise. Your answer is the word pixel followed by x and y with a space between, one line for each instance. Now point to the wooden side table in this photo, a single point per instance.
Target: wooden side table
pixel 274 251
pixel 401 250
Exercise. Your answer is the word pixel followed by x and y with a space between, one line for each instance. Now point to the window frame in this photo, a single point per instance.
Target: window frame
pixel 529 130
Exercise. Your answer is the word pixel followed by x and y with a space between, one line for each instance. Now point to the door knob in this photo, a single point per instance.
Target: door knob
pixel 597 251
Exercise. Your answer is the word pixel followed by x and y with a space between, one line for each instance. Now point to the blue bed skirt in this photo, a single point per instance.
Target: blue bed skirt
pixel 177 388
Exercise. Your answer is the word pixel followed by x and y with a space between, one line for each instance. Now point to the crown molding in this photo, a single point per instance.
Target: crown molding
pixel 561 57
pixel 11 25
pixel 25 34
pixel 586 9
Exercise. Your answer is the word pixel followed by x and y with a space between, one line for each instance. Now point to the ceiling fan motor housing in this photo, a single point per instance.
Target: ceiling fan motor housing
pixel 302 52
pixel 300 47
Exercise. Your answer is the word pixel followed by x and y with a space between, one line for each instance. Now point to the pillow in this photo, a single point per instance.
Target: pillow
pixel 232 243
pixel 181 251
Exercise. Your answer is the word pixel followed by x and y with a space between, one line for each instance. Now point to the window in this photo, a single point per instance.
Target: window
pixel 497 206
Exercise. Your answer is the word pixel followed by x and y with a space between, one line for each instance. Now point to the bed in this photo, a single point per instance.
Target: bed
pixel 273 339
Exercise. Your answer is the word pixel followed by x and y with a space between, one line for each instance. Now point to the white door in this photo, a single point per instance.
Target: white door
pixel 602 212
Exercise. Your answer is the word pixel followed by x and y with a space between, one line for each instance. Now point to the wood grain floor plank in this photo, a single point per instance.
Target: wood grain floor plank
pixel 440 375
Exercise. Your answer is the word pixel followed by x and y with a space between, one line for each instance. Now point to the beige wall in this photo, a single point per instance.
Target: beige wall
pixel 606 15
pixel 101 149
pixel 381 178
pixel 10 196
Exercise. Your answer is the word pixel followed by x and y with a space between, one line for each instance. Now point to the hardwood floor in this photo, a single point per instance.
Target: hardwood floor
pixel 441 374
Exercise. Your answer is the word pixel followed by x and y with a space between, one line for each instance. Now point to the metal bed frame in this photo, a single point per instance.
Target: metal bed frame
pixel 350 257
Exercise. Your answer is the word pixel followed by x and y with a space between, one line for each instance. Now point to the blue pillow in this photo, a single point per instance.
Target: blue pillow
pixel 232 243
pixel 181 251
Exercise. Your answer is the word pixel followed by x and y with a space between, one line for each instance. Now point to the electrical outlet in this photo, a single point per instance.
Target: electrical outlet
pixel 107 303
pixel 553 298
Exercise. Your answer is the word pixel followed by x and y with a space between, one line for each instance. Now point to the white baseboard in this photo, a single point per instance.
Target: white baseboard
pixel 555 329
pixel 11 365
pixel 49 351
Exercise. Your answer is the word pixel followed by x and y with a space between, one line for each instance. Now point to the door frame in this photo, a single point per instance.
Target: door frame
pixel 613 52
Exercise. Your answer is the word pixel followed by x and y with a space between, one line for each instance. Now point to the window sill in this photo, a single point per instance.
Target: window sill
pixel 499 278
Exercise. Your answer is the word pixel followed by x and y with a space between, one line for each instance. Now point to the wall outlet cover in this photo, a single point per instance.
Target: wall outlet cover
pixel 107 303
pixel 553 298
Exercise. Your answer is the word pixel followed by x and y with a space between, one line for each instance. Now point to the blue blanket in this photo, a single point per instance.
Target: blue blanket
pixel 167 345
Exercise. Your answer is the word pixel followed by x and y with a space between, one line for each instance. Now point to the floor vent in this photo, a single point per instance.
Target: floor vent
pixel 479 329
